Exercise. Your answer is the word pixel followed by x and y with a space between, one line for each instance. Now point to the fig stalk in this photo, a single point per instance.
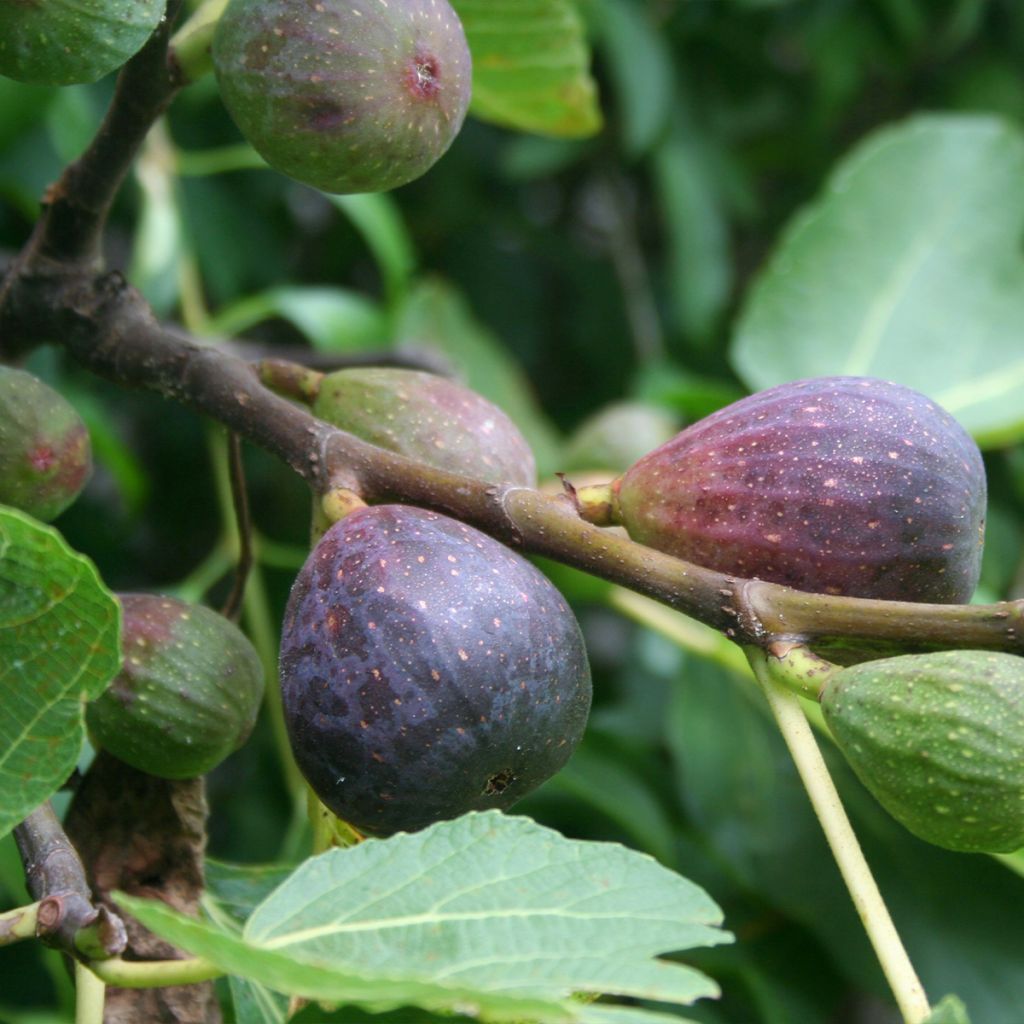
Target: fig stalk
pixel 892 956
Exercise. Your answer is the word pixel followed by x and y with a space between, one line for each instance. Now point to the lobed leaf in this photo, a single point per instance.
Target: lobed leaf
pixel 489 915
pixel 59 647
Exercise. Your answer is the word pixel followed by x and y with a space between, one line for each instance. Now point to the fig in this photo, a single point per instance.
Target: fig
pixel 45 453
pixel 188 692
pixel 427 671
pixel 430 419
pixel 345 95
pixel 835 485
pixel 66 42
pixel 939 740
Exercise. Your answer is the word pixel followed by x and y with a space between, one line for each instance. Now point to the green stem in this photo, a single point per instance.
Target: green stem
pixel 18 924
pixel 190 45
pixel 199 163
pixel 798 668
pixel 899 972
pixel 90 996
pixel 258 622
pixel 154 973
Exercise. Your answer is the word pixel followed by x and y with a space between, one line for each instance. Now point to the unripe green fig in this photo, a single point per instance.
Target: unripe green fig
pixel 427 671
pixel 45 454
pixel 345 95
pixel 188 692
pixel 834 485
pixel 64 42
pixel 427 418
pixel 939 740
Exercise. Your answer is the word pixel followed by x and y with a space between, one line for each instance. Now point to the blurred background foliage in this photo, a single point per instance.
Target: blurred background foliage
pixel 713 237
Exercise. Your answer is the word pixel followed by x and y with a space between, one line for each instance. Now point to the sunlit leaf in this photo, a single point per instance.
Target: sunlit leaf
pixel 530 66
pixel 907 267
pixel 489 915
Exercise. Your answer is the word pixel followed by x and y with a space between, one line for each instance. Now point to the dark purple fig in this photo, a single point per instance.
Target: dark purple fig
pixel 427 671
pixel 45 454
pixel 345 95
pixel 188 692
pixel 430 419
pixel 835 485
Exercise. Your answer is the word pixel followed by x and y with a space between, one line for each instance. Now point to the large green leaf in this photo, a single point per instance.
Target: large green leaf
pixel 487 914
pixel 59 647
pixel 232 892
pixel 530 66
pixel 907 267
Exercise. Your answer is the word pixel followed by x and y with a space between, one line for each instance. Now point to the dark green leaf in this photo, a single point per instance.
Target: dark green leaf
pixel 59 647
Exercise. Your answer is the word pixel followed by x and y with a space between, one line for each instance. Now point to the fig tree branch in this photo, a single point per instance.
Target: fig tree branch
pixel 66 916
pixel 108 327
pixel 71 228
pixel 54 292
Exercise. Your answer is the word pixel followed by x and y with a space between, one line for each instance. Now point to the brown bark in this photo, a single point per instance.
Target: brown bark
pixel 146 837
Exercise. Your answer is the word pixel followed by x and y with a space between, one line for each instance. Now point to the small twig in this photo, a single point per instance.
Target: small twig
pixel 78 204
pixel 155 973
pixel 55 876
pixel 19 923
pixel 240 502
pixel 871 908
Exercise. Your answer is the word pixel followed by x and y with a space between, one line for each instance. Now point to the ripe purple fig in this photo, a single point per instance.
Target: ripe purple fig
pixel 45 454
pixel 427 671
pixel 835 485
pixel 345 95
pixel 428 418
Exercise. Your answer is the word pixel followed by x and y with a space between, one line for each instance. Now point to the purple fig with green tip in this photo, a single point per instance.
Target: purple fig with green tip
pixel 835 485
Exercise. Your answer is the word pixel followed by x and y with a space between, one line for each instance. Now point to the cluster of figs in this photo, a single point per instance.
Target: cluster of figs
pixel 428 670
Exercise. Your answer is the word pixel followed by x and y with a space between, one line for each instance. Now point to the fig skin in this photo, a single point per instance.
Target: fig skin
pixel 430 419
pixel 834 485
pixel 45 452
pixel 67 42
pixel 426 671
pixel 345 95
pixel 188 692
pixel 939 740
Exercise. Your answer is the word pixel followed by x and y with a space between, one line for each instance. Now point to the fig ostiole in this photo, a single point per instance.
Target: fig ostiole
pixel 426 671
pixel 939 740
pixel 345 95
pixel 837 485
pixel 188 692
pixel 45 452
